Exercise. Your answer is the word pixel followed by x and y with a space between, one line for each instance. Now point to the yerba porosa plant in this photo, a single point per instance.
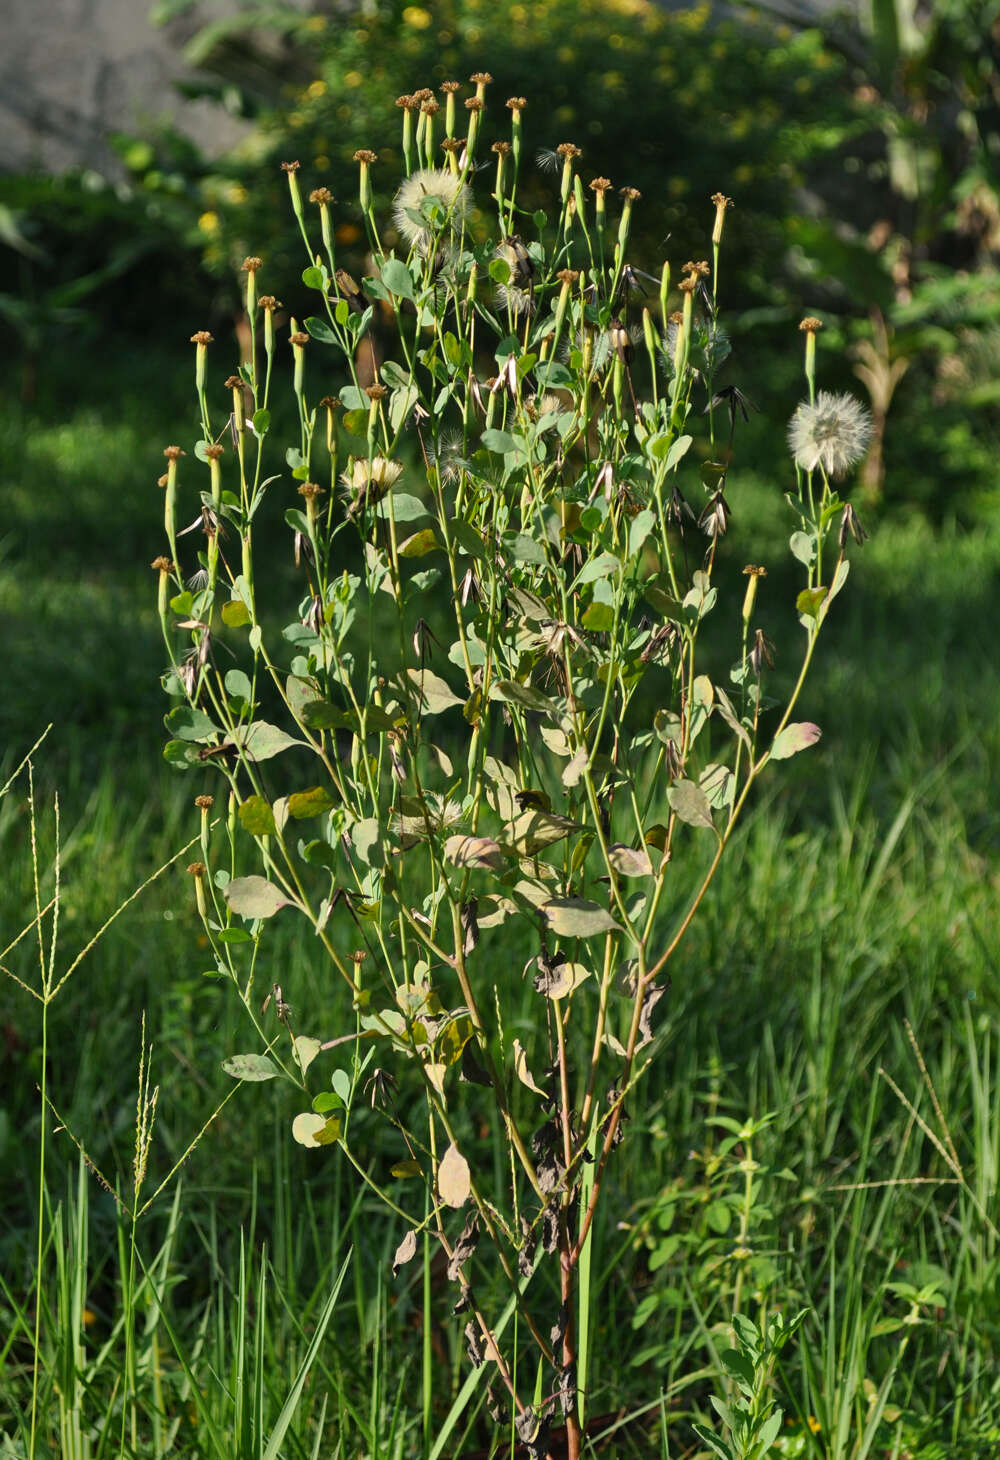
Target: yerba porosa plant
pixel 488 731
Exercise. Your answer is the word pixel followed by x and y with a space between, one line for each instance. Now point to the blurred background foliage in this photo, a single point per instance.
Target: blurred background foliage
pixel 861 148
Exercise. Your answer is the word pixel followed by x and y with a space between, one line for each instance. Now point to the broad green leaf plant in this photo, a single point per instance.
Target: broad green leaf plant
pixel 489 720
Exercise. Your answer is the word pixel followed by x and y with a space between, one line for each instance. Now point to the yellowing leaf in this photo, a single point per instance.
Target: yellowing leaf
pixel 454 1181
pixel 473 851
pixel 521 1068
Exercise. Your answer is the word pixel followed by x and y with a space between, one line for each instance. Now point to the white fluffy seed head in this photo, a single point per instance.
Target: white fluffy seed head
pixel 449 198
pixel 379 472
pixel 517 301
pixel 833 433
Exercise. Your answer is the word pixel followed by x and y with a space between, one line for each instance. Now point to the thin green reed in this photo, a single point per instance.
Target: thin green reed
pixel 491 715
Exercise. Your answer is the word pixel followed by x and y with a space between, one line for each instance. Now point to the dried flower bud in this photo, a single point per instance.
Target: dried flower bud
pixel 631 195
pixel 481 78
pixel 290 166
pixel 268 302
pixel 162 565
pixel 172 453
pixel 214 451
pixel 762 653
pixel 568 149
pixel 850 525
pixel 196 869
pixel 502 149
pixel 251 264
pixel 516 103
pixel 702 267
pixel 204 803
pixel 450 86
pixel 365 154
pixel 376 392
pixel 599 185
pixel 298 338
pixel 321 196
pixel 473 104
pixel 201 337
pixel 811 325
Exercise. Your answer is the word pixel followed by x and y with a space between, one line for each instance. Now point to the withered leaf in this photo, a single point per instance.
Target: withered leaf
pixel 550 1226
pixel 529 1246
pixel 473 1344
pixel 406 1250
pixel 463 1248
pixel 470 925
pixel 651 998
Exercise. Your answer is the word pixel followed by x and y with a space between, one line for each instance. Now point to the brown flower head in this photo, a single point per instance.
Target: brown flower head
pixel 568 149
pixel 599 185
pixel 365 154
pixel 502 149
pixel 172 453
pixel 251 264
pixel 204 803
pixel 811 325
pixel 450 86
pixel 290 166
pixel 376 392
pixel 321 196
pixel 201 337
pixel 480 78
pixel 299 338
pixel 162 565
pixel 214 451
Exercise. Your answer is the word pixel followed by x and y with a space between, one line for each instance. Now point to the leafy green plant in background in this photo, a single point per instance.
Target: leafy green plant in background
pixel 751 1415
pixel 545 529
pixel 862 147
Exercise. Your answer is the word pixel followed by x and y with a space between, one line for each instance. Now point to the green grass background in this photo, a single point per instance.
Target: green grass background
pixel 851 935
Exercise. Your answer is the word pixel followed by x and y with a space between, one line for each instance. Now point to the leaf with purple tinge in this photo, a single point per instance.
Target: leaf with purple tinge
pixel 794 738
